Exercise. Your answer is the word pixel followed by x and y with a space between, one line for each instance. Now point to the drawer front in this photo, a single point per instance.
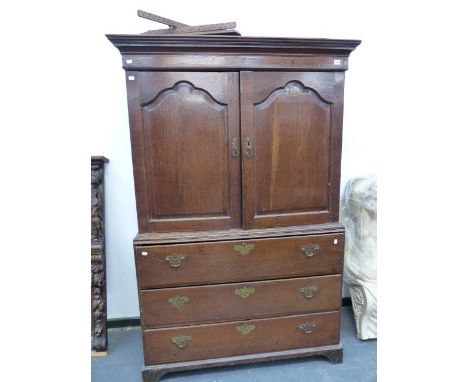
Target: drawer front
pixel 232 261
pixel 241 337
pixel 227 302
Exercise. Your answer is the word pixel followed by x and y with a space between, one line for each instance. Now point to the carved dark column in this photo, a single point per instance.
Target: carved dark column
pixel 98 257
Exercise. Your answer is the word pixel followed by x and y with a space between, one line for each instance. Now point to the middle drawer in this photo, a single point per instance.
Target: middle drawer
pixel 213 303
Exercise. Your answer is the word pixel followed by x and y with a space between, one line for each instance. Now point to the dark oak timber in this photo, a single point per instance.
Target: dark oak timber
pixel 214 303
pixel 226 339
pixel 218 262
pixel 235 234
pixel 236 148
pixel 334 353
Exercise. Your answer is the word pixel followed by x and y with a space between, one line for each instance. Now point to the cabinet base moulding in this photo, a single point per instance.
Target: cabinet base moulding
pixel 334 353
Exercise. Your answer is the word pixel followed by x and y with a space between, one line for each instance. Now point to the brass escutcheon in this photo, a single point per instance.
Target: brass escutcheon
pixel 244 248
pixel 249 149
pixel 178 301
pixel 235 151
pixel 307 327
pixel 245 328
pixel 309 291
pixel 244 292
pixel 181 341
pixel 310 250
pixel 175 260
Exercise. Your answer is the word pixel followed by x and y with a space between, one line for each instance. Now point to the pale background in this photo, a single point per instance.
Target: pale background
pixel 110 122
pixel 407 87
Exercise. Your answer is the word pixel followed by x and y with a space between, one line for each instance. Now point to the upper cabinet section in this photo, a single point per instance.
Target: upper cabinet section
pixel 234 132
pixel 181 124
pixel 146 52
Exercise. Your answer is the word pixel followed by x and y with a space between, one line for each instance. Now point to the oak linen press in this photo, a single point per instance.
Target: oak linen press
pixel 236 146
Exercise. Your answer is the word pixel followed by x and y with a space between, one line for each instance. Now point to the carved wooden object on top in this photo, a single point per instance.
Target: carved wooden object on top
pixel 181 28
pixel 98 258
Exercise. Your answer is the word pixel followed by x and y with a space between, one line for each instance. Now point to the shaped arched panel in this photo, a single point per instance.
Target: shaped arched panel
pixel 189 179
pixel 288 180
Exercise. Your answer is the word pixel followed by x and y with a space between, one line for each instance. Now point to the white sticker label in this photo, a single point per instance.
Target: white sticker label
pixel 335 241
pixel 336 62
pixel 131 78
pixel 144 253
pixel 129 61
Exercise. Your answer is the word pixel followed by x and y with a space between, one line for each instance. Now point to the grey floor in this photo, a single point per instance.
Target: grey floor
pixel 125 359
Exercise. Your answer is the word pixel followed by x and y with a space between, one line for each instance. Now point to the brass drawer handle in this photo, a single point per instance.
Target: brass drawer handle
pixel 175 260
pixel 181 341
pixel 178 301
pixel 244 292
pixel 244 248
pixel 307 327
pixel 309 291
pixel 310 250
pixel 245 328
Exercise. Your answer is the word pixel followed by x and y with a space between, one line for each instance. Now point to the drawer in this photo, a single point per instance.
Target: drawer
pixel 228 302
pixel 241 337
pixel 231 261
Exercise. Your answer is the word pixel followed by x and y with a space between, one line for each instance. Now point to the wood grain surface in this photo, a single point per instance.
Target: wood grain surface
pixel 219 262
pixel 214 303
pixel 224 339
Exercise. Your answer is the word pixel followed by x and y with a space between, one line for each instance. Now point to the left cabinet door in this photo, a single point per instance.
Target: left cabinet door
pixel 185 136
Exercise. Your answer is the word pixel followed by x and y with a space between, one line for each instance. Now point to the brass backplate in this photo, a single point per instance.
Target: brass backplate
pixel 309 291
pixel 307 327
pixel 310 250
pixel 245 328
pixel 178 301
pixel 181 341
pixel 244 292
pixel 175 260
pixel 244 248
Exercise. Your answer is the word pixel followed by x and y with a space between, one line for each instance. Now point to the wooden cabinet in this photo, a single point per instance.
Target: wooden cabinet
pixel 236 145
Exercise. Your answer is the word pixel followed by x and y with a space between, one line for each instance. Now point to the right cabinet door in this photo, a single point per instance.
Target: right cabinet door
pixel 291 125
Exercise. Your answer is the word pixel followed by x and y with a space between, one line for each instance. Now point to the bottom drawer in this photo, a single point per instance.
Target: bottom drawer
pixel 188 343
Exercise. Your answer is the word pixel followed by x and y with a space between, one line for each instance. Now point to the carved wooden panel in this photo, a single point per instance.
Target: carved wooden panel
pixel 291 121
pixel 98 258
pixel 186 124
pixel 98 298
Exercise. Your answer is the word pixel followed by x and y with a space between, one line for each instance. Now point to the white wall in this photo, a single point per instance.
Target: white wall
pixel 331 19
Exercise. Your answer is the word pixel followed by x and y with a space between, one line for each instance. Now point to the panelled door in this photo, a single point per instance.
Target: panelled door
pixel 291 138
pixel 182 128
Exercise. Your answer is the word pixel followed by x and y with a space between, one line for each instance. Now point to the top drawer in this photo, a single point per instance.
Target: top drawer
pixel 230 261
